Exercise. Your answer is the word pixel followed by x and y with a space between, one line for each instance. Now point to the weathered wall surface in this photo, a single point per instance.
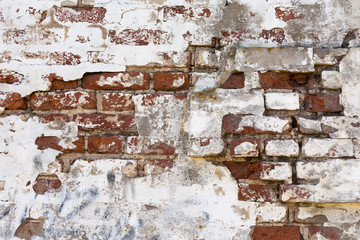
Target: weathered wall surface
pixel 162 119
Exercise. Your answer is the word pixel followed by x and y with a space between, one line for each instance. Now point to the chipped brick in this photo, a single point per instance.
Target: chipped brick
pixel 100 144
pixel 46 183
pixel 276 233
pixel 83 14
pixel 63 100
pixel 118 81
pixel 88 121
pixel 322 103
pixel 117 102
pixel 45 142
pixel 167 81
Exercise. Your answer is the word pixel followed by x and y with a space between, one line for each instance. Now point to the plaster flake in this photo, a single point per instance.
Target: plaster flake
pixel 20 155
pixel 164 203
pixel 218 104
pixel 108 198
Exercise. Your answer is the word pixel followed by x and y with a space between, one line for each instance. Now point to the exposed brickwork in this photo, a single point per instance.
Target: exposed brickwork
pixel 179 119
pixel 120 81
pixel 46 183
pixel 275 233
pixel 98 144
pixel 63 100
pixel 105 122
pixel 164 81
pixel 323 103
pixel 54 143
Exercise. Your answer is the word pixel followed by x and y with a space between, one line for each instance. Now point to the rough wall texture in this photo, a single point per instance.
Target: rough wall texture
pixel 180 119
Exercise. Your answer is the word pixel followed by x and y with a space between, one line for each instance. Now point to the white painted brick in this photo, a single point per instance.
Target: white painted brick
pixel 309 126
pixel 277 148
pixel 202 147
pixel 277 171
pixel 264 59
pixel 244 148
pixel 282 101
pixel 340 213
pixel 328 148
pixel 331 79
pixel 271 212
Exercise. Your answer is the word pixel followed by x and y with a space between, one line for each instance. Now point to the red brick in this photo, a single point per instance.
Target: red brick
pixel 148 146
pixel 322 103
pixel 105 122
pixel 287 14
pixel 83 14
pixel 250 152
pixel 140 37
pixel 63 100
pixel 285 80
pixel 53 142
pixel 256 193
pixel 47 118
pixel 276 233
pixel 57 83
pixel 98 144
pixel 29 228
pixel 46 183
pixel 11 101
pixel 245 170
pixel 330 233
pixel 10 77
pixel 167 81
pixel 118 81
pixel 117 102
pixel 235 81
pixel 274 35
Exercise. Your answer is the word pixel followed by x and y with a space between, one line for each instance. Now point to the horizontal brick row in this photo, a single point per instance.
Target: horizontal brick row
pixel 132 145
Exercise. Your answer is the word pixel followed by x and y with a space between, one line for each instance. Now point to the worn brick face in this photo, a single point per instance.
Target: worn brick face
pixel 284 80
pixel 179 119
pixel 119 81
pixel 63 100
pixel 323 103
pixel 140 37
pixel 167 81
pixel 46 183
pixel 276 233
pixel 9 100
pixel 105 122
pixel 84 14
pixel 256 193
pixel 117 102
pixel 99 144
pixel 54 143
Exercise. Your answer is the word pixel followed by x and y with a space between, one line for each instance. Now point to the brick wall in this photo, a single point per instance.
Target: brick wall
pixel 179 120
